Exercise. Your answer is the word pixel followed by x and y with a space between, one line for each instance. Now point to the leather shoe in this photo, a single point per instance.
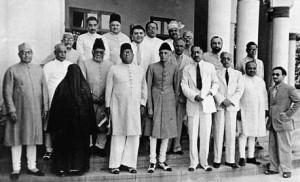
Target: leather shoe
pixel 253 161
pixel 14 176
pixel 35 173
pixel 270 172
pixel 191 169
pixel 242 162
pixel 216 165
pixel 287 174
pixel 232 165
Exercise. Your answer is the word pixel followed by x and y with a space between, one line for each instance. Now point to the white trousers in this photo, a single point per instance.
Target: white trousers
pixel 16 152
pixel 242 145
pixel 100 140
pixel 124 151
pixel 162 151
pixel 199 125
pixel 225 121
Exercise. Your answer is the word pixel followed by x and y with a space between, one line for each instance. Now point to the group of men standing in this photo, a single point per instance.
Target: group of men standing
pixel 150 87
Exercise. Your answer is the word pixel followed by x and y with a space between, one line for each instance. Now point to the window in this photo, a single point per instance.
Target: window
pixel 162 24
pixel 78 16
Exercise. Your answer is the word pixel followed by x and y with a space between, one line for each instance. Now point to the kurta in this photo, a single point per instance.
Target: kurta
pixel 25 92
pixel 254 102
pixel 241 66
pixel 146 53
pixel 55 71
pixel 115 41
pixel 85 42
pixel 95 74
pixel 126 91
pixel 162 88
pixel 213 59
pixel 72 55
pixel 154 44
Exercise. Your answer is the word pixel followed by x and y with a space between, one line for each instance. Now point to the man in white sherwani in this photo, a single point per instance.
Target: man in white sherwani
pixel 254 107
pixel 125 98
pixel 54 71
pixel 227 100
pixel 151 39
pixel 199 84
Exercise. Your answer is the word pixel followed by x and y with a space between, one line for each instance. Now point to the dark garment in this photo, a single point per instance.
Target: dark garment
pixel 71 121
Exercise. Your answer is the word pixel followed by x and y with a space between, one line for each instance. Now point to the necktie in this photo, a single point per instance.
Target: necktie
pixel 138 54
pixel 198 78
pixel 226 76
pixel 274 91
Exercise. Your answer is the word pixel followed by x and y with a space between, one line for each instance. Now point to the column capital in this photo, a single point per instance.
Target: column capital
pixel 292 36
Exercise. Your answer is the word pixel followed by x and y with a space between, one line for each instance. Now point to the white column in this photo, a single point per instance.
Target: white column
pixel 38 22
pixel 280 44
pixel 219 21
pixel 292 59
pixel 247 26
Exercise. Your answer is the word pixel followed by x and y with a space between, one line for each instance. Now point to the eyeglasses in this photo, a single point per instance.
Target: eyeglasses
pixel 275 74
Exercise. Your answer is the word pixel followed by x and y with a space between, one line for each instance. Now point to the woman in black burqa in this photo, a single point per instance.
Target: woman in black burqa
pixel 71 122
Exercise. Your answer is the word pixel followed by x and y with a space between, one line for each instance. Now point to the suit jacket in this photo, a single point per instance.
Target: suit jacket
pixel 285 101
pixel 190 90
pixel 233 91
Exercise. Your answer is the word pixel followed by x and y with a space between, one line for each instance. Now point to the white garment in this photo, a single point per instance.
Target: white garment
pixel 154 44
pixel 199 125
pixel 115 41
pixel 85 42
pixel 162 150
pixel 55 71
pixel 170 42
pixel 241 66
pixel 225 121
pixel 214 59
pixel 146 53
pixel 16 153
pixel 254 103
pixel 124 151
pixel 242 146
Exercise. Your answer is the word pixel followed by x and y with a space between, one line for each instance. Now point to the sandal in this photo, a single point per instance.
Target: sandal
pixel 115 170
pixel 132 170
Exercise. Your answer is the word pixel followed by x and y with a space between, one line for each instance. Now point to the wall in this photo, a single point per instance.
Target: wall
pixel 139 11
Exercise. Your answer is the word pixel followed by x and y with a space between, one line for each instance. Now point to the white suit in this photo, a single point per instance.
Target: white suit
pixel 199 113
pixel 226 117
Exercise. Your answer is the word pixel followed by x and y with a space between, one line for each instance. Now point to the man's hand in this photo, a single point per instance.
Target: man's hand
pixel 142 110
pixel 13 117
pixel 226 103
pixel 107 111
pixel 198 98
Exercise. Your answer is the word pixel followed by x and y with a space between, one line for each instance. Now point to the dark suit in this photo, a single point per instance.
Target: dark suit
pixel 286 100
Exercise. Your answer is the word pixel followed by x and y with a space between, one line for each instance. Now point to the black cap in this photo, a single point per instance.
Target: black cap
pixel 165 46
pixel 125 46
pixel 115 17
pixel 98 44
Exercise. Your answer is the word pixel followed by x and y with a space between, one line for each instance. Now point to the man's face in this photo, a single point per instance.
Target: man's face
pixel 98 54
pixel 92 26
pixel 216 45
pixel 197 54
pixel 138 35
pixel 68 41
pixel 226 60
pixel 188 38
pixel 115 27
pixel 164 55
pixel 127 56
pixel 174 33
pixel 179 46
pixel 151 30
pixel 251 69
pixel 25 55
pixel 60 52
pixel 251 52
pixel 277 76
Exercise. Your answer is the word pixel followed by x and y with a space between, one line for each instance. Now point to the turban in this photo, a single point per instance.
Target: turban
pixel 24 46
pixel 165 46
pixel 125 46
pixel 115 17
pixel 98 44
pixel 175 25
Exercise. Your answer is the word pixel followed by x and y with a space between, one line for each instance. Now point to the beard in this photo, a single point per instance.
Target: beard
pixel 216 49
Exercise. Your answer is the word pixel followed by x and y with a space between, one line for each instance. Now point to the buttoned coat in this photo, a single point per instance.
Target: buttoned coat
pixel 162 88
pixel 233 91
pixel 286 101
pixel 126 91
pixel 209 84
